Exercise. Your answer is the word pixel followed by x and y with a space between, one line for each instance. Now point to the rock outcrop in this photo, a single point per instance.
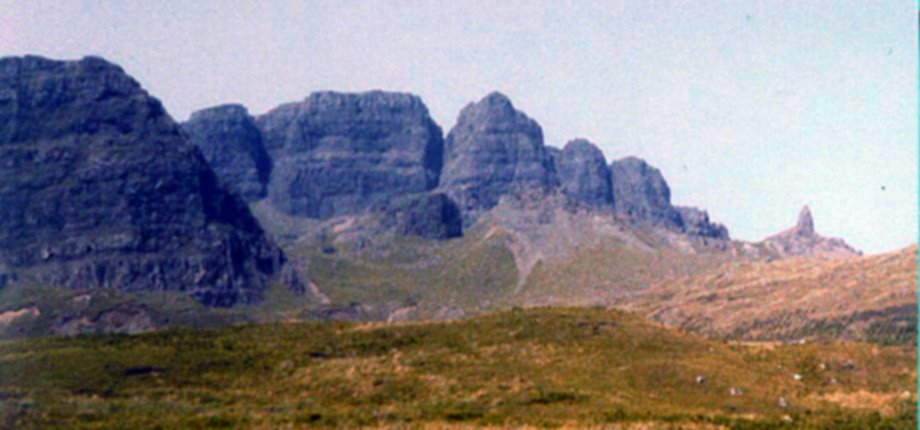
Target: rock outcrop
pixel 229 140
pixel 340 154
pixel 583 173
pixel 493 150
pixel 99 188
pixel 803 240
pixel 640 193
pixel 696 223
pixel 430 216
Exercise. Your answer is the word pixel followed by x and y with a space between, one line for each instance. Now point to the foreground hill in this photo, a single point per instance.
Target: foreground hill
pixel 575 367
pixel 866 298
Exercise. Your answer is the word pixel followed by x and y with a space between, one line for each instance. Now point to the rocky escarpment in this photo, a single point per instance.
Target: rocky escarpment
pixel 493 150
pixel 340 154
pixel 229 140
pixel 583 173
pixel 696 223
pixel 99 188
pixel 802 240
pixel 641 193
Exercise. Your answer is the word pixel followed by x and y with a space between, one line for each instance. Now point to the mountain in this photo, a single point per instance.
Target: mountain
pixel 100 189
pixel 803 240
pixel 493 150
pixel 640 193
pixel 229 140
pixel 392 221
pixel 583 173
pixel 338 154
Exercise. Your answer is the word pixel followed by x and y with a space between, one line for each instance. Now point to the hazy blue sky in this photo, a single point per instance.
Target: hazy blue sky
pixel 750 109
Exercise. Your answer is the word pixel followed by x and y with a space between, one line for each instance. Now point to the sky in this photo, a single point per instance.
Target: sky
pixel 751 109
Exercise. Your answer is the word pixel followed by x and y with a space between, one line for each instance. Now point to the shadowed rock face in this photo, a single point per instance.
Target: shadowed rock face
pixel 696 223
pixel 802 240
pixel 583 173
pixel 229 140
pixel 493 150
pixel 429 216
pixel 340 154
pixel 641 193
pixel 98 188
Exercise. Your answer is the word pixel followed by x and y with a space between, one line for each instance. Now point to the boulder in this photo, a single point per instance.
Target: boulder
pixel 340 154
pixel 493 150
pixel 229 140
pixel 583 173
pixel 99 188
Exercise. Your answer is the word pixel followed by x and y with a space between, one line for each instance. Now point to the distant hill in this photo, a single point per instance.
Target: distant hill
pixel 866 298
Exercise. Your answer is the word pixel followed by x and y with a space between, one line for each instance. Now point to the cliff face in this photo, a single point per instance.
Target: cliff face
pixel 99 188
pixel 494 150
pixel 341 154
pixel 583 173
pixel 229 140
pixel 641 193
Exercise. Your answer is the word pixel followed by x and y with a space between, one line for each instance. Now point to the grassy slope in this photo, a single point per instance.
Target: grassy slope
pixel 608 272
pixel 536 367
pixel 872 298
pixel 56 305
pixel 470 273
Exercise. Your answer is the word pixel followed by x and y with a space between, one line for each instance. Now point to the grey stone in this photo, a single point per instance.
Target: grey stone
pixel 803 240
pixel 493 150
pixel 696 223
pixel 640 193
pixel 229 140
pixel 583 173
pixel 340 154
pixel 99 188
pixel 430 216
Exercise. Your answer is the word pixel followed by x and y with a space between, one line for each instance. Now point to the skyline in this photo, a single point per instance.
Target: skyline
pixel 750 111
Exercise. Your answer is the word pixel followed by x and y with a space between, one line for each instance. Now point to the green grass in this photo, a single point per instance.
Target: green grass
pixel 171 308
pixel 469 273
pixel 539 367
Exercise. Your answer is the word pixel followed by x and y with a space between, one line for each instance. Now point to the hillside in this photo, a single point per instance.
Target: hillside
pixel 542 367
pixel 865 298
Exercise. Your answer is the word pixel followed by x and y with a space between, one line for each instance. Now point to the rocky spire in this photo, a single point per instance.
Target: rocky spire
pixel 806 225
pixel 802 240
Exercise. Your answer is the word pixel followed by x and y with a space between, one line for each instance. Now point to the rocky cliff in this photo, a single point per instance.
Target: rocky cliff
pixel 99 188
pixel 640 193
pixel 583 173
pixel 696 223
pixel 229 140
pixel 493 150
pixel 340 154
